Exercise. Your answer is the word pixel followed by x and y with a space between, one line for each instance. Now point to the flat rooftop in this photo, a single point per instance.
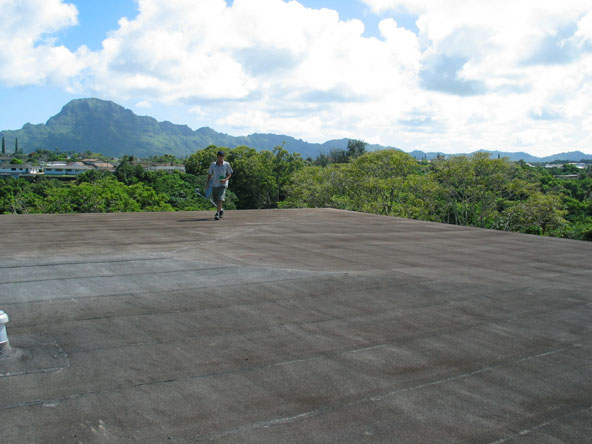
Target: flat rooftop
pixel 291 326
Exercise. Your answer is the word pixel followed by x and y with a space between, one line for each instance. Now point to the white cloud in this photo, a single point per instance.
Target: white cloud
pixel 523 68
pixel 500 74
pixel 584 32
pixel 29 55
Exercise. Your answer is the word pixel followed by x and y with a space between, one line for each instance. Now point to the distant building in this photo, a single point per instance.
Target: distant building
pixel 566 176
pixel 65 169
pixel 99 164
pixel 166 168
pixel 580 166
pixel 12 170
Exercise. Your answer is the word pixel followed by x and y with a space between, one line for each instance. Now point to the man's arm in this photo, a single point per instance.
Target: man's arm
pixel 228 175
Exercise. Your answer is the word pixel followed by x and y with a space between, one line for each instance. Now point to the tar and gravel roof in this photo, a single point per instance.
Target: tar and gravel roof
pixel 291 326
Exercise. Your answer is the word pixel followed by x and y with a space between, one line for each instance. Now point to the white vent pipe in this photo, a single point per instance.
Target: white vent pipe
pixel 4 345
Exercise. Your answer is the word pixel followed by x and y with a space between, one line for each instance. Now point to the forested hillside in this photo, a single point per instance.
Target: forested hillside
pixel 105 127
pixel 472 190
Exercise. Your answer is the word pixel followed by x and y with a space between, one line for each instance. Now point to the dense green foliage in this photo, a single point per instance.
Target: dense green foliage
pixel 260 181
pixel 260 178
pixel 131 188
pixel 472 190
pixel 464 190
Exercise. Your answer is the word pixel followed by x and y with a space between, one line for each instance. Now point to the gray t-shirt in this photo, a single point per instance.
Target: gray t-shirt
pixel 217 171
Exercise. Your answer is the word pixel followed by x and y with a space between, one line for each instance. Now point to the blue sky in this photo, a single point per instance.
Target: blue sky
pixel 454 76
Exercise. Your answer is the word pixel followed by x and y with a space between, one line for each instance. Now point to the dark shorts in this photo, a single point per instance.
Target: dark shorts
pixel 218 193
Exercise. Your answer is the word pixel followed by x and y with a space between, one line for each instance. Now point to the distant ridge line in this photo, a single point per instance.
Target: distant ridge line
pixel 105 127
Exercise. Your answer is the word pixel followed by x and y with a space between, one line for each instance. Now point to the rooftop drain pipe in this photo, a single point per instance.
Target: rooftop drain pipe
pixel 4 345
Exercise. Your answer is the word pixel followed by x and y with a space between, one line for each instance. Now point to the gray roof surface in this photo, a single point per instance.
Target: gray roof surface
pixel 291 326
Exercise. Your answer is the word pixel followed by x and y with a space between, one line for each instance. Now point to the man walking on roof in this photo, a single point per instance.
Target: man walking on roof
pixel 218 175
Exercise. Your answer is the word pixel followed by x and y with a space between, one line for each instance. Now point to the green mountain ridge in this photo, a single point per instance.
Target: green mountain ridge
pixel 108 128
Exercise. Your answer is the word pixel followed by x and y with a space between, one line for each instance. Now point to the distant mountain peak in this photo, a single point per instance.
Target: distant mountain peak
pixel 90 105
pixel 105 127
pixel 84 109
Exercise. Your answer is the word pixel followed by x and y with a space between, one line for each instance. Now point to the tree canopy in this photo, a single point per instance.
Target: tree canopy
pixel 464 190
pixel 474 190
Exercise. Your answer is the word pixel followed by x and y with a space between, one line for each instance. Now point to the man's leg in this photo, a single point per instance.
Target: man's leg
pixel 219 193
pixel 220 210
pixel 221 199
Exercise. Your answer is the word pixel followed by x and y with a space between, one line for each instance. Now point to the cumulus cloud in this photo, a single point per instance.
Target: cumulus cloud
pixel 518 69
pixel 475 75
pixel 29 55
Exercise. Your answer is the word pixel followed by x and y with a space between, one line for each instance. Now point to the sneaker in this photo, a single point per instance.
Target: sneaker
pixel 221 214
pixel 217 216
